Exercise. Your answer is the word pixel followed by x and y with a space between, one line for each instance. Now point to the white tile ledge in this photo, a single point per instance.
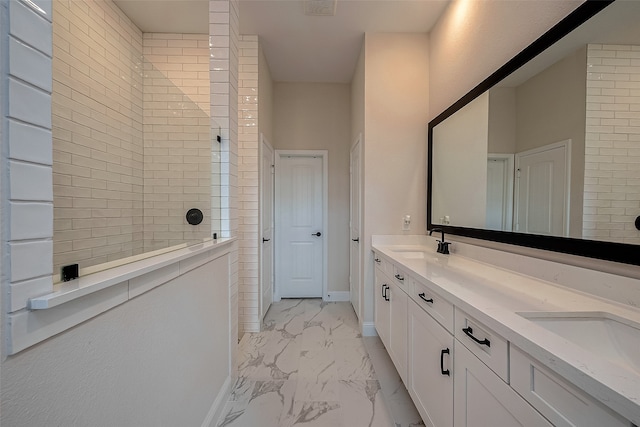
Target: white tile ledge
pixel 95 282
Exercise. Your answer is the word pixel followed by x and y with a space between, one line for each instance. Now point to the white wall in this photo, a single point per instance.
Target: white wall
pixel 394 156
pixel 159 359
pixel 316 116
pixel 472 39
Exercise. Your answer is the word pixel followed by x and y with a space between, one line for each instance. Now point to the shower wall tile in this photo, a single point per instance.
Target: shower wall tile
pixel 26 165
pixel 223 43
pixel 248 142
pixel 97 134
pixel 612 144
pixel 177 138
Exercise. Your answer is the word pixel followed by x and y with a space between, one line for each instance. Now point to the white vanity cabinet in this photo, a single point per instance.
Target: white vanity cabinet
pixel 460 372
pixel 430 368
pixel 391 303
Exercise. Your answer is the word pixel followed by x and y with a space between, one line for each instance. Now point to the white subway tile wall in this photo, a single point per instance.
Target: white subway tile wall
pixel 97 134
pixel 26 165
pixel 132 137
pixel 177 138
pixel 248 143
pixel 612 160
pixel 223 50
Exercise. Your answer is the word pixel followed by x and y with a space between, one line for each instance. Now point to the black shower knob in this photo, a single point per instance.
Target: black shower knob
pixel 194 216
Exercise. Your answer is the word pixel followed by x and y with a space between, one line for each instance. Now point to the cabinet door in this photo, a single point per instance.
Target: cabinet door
pixel 382 308
pixel 398 329
pixel 482 399
pixel 430 389
pixel 563 403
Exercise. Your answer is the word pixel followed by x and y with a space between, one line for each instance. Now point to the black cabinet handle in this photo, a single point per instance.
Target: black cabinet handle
pixel 442 370
pixel 265 240
pixel 318 234
pixel 357 239
pixel 377 260
pixel 399 277
pixel 385 288
pixel 469 333
pixel 424 298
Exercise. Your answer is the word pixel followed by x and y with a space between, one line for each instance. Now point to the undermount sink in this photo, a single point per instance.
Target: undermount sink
pixel 410 252
pixel 606 335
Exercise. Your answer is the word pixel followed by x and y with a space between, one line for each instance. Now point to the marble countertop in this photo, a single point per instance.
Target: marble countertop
pixel 495 296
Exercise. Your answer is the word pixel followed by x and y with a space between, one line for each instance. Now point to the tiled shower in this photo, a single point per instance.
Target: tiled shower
pixel 132 145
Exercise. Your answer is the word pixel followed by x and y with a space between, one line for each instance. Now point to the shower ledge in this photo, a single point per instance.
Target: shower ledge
pixel 182 260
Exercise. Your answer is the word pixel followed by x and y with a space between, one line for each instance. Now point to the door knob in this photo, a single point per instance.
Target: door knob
pixel 318 234
pixel 357 239
pixel 265 240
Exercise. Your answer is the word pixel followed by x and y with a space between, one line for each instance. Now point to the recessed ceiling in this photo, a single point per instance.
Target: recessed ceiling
pixel 298 47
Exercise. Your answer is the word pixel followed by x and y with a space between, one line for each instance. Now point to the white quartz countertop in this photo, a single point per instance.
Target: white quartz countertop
pixel 495 296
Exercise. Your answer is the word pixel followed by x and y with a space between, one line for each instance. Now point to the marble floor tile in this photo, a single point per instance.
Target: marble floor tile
pixel 311 367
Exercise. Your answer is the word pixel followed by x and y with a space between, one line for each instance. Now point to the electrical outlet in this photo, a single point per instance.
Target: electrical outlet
pixel 406 223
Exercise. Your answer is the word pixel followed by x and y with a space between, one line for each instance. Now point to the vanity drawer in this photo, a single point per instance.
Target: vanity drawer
pixel 384 265
pixel 487 345
pixel 561 402
pixel 401 278
pixel 439 308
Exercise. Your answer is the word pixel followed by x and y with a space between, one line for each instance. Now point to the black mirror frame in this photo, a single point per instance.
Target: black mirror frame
pixel 617 252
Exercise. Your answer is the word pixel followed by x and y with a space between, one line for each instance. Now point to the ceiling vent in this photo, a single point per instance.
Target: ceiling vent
pixel 320 7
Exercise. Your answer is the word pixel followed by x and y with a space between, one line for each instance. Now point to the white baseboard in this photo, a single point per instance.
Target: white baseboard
pixel 369 329
pixel 338 296
pixel 218 405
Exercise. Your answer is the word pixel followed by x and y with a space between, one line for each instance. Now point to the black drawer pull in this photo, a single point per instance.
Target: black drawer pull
pixel 377 260
pixel 469 333
pixel 442 370
pixel 399 277
pixel 424 298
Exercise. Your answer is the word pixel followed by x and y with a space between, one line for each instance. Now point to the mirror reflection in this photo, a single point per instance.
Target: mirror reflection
pixel 132 146
pixel 553 149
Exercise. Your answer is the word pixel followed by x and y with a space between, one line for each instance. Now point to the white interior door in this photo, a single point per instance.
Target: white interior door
pixel 500 192
pixel 542 190
pixel 300 232
pixel 266 226
pixel 354 223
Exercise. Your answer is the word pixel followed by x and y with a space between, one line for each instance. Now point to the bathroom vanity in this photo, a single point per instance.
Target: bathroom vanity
pixel 479 345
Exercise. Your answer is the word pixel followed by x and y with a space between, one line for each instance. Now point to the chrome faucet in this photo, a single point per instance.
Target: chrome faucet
pixel 443 247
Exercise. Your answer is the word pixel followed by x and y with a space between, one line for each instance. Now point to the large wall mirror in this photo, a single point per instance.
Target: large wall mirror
pixel 545 153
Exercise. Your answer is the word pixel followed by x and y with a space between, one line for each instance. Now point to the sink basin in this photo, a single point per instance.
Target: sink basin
pixel 611 337
pixel 410 252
